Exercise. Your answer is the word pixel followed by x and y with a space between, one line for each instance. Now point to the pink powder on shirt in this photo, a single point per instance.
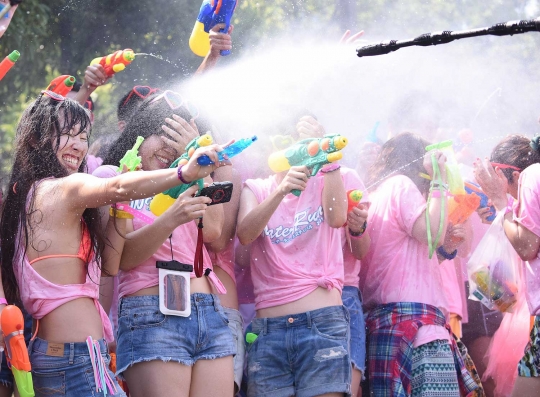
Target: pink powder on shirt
pixel 297 251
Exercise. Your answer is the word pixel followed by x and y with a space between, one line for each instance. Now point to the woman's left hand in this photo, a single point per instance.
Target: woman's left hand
pixel 179 132
pixel 492 181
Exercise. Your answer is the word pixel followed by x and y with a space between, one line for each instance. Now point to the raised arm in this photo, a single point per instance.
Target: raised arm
pixel 253 217
pixel 82 191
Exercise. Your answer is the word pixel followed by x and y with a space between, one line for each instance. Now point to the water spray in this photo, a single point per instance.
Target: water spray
pixel 447 36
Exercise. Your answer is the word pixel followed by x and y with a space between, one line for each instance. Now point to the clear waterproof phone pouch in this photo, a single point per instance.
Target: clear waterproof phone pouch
pixel 174 288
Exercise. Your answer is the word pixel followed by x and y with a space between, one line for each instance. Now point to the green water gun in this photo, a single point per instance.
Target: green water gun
pixel 162 201
pixel 132 159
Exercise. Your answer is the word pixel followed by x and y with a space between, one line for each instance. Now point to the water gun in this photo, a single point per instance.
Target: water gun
pixel 453 175
pixel 162 201
pixel 131 159
pixel 311 152
pixel 115 62
pixel 8 63
pixel 492 292
pixel 461 207
pixel 62 84
pixel 353 198
pixel 231 151
pixel 474 188
pixel 372 136
pixel 12 323
pixel 211 13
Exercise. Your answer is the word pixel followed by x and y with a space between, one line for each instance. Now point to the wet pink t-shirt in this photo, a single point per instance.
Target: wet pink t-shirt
pixel 297 251
pixel 397 267
pixel 527 213
pixel 351 180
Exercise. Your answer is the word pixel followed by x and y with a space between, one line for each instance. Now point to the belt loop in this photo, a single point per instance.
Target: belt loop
pixel 71 352
pixel 308 315
pixel 265 326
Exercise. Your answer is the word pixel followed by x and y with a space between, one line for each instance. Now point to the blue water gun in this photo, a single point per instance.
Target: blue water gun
pixel 474 188
pixel 231 151
pixel 211 13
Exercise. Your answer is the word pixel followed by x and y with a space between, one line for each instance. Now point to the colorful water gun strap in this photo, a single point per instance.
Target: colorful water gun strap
pixel 104 382
pixel 436 177
pixel 135 213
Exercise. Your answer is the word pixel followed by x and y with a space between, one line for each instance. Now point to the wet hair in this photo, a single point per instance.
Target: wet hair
pixel 146 121
pixel 515 150
pixel 37 142
pixel 402 154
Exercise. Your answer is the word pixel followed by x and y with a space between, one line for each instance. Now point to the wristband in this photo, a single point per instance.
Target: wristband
pixel 330 168
pixel 3 301
pixel 445 254
pixel 438 185
pixel 360 233
pixel 180 176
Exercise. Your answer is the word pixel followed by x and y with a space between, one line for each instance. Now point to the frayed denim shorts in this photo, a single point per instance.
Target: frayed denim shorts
pixel 236 327
pixel 145 334
pixel 352 300
pixel 65 369
pixel 304 355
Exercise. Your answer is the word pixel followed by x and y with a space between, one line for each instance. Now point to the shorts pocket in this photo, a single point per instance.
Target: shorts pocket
pixel 146 317
pixel 336 328
pixel 49 384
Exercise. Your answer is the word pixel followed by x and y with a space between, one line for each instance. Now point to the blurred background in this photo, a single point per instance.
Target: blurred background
pixel 286 55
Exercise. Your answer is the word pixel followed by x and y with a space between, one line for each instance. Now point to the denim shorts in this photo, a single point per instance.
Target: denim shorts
pixel 145 334
pixel 6 376
pixel 70 374
pixel 304 354
pixel 236 326
pixel 351 298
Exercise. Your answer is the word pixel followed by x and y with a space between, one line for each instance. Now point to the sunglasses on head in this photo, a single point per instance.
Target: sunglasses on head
pixel 142 91
pixel 176 101
pixel 53 95
pixel 505 166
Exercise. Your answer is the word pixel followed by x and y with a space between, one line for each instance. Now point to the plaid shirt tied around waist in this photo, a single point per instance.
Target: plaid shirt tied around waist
pixel 392 329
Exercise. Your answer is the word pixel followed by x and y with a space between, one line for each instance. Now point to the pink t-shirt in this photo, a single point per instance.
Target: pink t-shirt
pixel 452 287
pixel 225 259
pixel 297 251
pixel 527 213
pixel 351 180
pixel 397 267
pixel 184 241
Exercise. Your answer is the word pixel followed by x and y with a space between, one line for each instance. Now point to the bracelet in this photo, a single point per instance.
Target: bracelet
pixel 119 214
pixel 445 254
pixel 3 301
pixel 438 185
pixel 330 168
pixel 360 233
pixel 180 176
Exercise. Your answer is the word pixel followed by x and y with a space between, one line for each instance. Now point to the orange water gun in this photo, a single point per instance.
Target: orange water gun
pixel 353 198
pixel 62 84
pixel 461 207
pixel 8 63
pixel 115 62
pixel 12 323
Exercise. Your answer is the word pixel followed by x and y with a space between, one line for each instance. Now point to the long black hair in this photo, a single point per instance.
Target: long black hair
pixel 37 142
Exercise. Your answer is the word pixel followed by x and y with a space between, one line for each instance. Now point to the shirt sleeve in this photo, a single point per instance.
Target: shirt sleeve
pixel 410 203
pixel 105 171
pixel 527 211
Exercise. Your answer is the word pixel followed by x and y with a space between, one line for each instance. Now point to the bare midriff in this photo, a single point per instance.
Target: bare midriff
pixel 318 299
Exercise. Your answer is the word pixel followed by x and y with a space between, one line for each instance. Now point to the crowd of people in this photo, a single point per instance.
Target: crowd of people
pixel 299 295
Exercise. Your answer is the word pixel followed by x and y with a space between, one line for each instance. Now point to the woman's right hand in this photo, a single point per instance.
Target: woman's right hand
pixel 193 171
pixel 296 179
pixel 441 161
pixel 187 208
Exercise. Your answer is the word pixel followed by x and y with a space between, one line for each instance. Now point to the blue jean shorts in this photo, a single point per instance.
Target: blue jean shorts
pixel 304 354
pixel 237 329
pixel 145 334
pixel 68 374
pixel 352 300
